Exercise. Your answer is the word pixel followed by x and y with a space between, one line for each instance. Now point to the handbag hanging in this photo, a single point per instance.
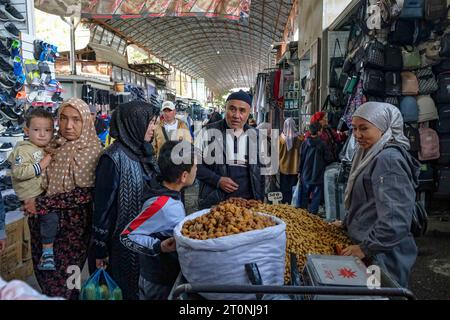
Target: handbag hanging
pixel 336 64
pixel 411 58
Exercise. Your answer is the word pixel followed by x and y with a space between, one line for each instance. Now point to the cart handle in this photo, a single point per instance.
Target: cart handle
pixel 346 291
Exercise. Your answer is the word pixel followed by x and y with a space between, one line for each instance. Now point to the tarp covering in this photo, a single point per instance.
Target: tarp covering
pixel 126 9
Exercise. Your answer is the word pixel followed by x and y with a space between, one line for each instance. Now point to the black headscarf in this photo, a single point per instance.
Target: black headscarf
pixel 129 123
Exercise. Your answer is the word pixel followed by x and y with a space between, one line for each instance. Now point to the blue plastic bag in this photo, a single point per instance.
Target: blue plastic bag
pixel 96 288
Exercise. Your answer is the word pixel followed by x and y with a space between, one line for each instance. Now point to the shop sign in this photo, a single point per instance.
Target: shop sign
pixel 275 197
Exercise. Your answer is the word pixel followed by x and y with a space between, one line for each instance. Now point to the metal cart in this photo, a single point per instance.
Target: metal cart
pixel 296 291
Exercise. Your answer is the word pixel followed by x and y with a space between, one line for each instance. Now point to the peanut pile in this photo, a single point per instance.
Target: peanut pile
pixel 305 233
pixel 243 203
pixel 224 220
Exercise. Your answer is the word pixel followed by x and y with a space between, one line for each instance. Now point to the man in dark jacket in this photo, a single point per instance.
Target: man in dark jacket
pixel 314 157
pixel 233 168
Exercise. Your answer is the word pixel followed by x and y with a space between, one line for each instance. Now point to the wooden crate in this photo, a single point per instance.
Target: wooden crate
pixel 11 258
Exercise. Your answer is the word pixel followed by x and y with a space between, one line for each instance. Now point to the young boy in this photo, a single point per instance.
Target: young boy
pixel 151 232
pixel 314 157
pixel 28 160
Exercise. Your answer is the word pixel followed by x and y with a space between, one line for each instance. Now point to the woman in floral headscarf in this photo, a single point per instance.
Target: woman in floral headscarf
pixel 69 180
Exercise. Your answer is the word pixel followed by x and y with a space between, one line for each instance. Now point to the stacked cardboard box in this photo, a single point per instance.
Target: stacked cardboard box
pixel 15 262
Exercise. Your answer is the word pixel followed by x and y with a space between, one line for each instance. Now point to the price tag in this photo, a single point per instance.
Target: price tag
pixel 275 197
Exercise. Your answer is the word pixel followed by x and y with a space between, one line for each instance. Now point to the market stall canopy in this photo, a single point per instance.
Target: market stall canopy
pixel 130 9
pixel 227 54
pixel 99 53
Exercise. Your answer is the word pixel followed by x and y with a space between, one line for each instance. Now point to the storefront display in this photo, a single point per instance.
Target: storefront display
pixel 402 62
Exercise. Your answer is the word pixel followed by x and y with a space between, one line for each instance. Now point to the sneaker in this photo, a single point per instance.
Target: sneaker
pixel 3 17
pixel 17 66
pixel 13 131
pixel 32 96
pixel 12 29
pixel 6 65
pixel 47 262
pixel 5 99
pixel 4 50
pixel 37 49
pixel 5 81
pixel 6 147
pixel 8 114
pixel 12 13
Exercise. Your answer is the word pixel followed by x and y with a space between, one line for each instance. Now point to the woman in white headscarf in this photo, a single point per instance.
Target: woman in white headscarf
pixel 289 147
pixel 380 194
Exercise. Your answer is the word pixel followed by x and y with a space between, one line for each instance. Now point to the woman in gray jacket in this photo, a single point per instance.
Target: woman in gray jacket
pixel 380 194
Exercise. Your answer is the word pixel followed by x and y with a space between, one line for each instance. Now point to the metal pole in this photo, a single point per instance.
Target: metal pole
pixel 254 289
pixel 73 27
pixel 73 64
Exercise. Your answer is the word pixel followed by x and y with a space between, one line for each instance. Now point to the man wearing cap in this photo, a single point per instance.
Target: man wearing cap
pixel 169 128
pixel 237 175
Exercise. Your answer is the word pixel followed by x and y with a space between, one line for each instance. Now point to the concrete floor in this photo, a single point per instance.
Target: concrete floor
pixel 430 279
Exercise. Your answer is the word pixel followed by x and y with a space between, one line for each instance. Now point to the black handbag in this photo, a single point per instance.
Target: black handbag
pixel 393 59
pixel 373 82
pixel 419 223
pixel 336 97
pixel 393 84
pixel 336 64
pixel 402 32
pixel 374 55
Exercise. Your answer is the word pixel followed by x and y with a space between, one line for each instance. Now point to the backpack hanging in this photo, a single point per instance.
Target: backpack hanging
pixel 410 84
pixel 429 144
pixel 412 9
pixel 435 9
pixel 427 81
pixel 393 82
pixel 409 109
pixel 411 58
pixel 402 32
pixel 374 82
pixel 374 55
pixel 336 64
pixel 393 59
pixel 427 109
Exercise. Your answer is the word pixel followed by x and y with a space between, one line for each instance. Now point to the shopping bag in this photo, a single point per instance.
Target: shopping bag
pixel 295 194
pixel 98 288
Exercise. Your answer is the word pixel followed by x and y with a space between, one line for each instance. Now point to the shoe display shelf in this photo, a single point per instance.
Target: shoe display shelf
pixel 18 12
pixel 12 140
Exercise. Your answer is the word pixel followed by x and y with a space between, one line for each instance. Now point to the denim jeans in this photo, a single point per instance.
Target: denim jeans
pixel 313 192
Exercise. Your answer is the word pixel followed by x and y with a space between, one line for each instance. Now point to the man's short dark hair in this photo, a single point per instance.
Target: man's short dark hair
pixel 315 127
pixel 170 172
pixel 37 113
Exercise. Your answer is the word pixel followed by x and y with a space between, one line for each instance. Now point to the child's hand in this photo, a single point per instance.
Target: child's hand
pixel 45 161
pixel 29 206
pixel 168 245
pixel 2 245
